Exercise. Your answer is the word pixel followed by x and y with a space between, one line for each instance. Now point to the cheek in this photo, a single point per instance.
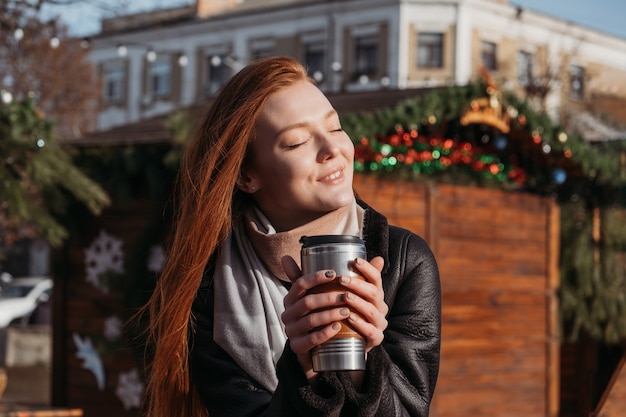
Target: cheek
pixel 349 149
pixel 276 173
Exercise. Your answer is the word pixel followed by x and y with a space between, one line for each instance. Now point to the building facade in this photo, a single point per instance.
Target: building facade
pixel 154 63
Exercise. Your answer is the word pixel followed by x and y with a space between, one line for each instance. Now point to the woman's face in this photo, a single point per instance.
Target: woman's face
pixel 301 161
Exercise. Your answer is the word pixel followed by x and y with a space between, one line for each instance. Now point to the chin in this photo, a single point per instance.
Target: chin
pixel 343 200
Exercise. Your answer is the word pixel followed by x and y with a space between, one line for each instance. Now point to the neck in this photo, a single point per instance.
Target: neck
pixel 283 222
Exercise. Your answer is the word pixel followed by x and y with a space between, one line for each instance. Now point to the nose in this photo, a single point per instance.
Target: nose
pixel 328 147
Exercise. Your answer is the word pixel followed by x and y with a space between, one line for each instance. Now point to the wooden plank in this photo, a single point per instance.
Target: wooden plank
pixel 491 329
pixel 497 362
pixel 493 297
pixel 485 249
pixel 487 381
pixel 613 401
pixel 472 280
pixel 499 400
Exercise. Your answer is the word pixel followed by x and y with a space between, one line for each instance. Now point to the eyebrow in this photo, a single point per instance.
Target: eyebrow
pixel 328 115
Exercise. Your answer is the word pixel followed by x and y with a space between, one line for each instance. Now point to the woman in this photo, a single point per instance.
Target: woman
pixel 232 320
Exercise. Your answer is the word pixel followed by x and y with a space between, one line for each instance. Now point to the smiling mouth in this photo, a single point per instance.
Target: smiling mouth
pixel 334 176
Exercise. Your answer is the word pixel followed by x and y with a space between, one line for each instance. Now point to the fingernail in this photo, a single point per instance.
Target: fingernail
pixel 344 279
pixel 358 261
pixel 353 318
pixel 336 326
pixel 344 312
pixel 350 296
pixel 329 274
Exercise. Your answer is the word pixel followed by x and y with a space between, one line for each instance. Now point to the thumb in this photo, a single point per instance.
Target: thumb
pixel 290 267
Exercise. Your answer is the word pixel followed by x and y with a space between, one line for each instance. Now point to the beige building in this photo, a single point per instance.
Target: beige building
pixel 153 63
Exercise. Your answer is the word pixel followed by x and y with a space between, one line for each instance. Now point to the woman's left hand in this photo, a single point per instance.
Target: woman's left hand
pixel 366 301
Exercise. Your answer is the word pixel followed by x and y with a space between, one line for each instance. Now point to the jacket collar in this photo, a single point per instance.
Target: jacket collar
pixel 375 234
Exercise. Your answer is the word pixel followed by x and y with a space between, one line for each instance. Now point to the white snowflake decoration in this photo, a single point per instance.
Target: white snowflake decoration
pixel 91 359
pixel 113 328
pixel 129 389
pixel 156 258
pixel 104 254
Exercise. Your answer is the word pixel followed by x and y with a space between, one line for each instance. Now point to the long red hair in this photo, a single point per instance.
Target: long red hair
pixel 208 201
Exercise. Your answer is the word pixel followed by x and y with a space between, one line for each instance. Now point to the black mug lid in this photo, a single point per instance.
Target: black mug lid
pixel 309 241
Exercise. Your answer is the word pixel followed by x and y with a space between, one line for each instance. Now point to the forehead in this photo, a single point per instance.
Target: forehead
pixel 297 103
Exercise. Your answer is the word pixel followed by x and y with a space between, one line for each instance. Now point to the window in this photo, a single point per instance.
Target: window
pixel 217 74
pixel 160 77
pixel 488 55
pixel 577 81
pixel 262 53
pixel 366 56
pixel 261 48
pixel 430 50
pixel 114 74
pixel 524 68
pixel 315 59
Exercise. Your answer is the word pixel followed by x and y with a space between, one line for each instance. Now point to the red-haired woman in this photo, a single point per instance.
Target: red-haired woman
pixel 232 320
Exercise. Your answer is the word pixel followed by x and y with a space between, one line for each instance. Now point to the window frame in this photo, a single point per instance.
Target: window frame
pixel 432 51
pixel 576 74
pixel 489 55
pixel 366 55
pixel 215 76
pixel 114 75
pixel 160 75
pixel 525 66
pixel 317 50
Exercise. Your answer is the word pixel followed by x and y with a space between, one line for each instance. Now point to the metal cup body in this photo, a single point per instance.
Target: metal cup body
pixel 346 350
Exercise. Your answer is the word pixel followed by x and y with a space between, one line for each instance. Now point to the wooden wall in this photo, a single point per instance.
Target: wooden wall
pixel 497 253
pixel 498 259
pixel 84 310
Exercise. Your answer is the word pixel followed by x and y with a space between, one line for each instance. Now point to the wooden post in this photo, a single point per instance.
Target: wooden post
pixel 553 346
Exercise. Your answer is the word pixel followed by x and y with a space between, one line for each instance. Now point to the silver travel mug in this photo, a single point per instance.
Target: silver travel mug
pixel 346 350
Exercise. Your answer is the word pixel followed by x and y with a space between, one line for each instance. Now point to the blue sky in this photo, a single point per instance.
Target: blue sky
pixel 605 15
pixel 608 16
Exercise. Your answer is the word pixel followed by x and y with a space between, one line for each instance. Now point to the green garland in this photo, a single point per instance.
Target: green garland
pixel 423 139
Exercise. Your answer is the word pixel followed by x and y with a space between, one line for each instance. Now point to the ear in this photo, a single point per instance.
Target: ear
pixel 246 183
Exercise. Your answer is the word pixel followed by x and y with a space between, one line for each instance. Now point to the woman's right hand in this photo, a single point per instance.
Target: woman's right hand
pixel 311 319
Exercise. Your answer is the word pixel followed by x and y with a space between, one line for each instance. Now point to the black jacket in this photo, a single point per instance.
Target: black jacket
pixel 401 373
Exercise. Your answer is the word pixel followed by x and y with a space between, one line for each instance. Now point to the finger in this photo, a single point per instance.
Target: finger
pixel 298 307
pixel 290 267
pixel 373 335
pixel 378 263
pixel 370 271
pixel 304 343
pixel 313 321
pixel 373 312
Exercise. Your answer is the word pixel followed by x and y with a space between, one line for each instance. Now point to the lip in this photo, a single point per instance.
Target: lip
pixel 333 176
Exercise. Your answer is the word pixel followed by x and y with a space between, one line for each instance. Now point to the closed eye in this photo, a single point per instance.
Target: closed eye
pixel 295 145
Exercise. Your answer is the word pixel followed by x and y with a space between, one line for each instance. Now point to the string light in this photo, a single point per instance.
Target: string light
pixel 151 55
pixel 6 96
pixel 18 34
pixel 122 50
pixel 318 76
